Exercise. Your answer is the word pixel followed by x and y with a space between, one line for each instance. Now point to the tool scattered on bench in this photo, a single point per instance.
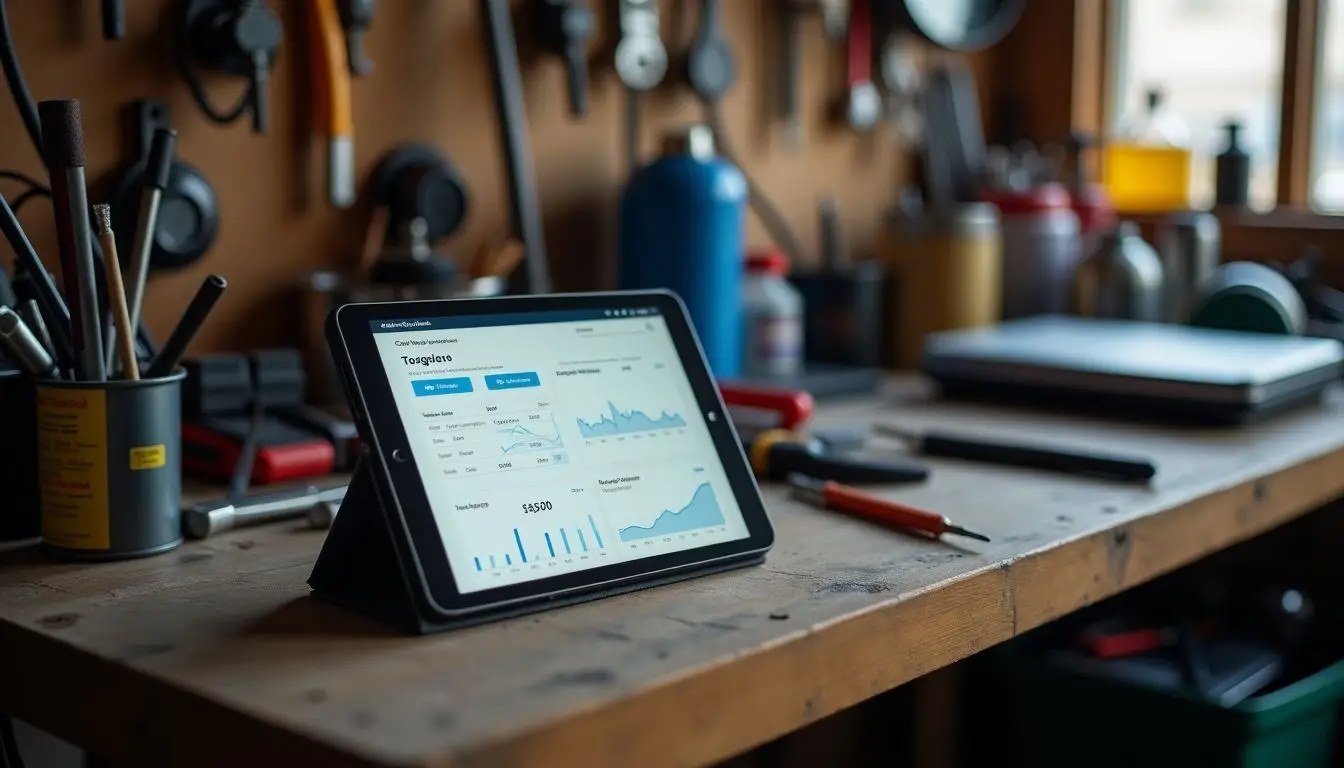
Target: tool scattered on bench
pixel 851 501
pixel 1128 469
pixel 207 518
pixel 776 453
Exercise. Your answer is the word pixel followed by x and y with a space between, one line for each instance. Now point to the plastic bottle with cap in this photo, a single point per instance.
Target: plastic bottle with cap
pixel 1147 166
pixel 772 318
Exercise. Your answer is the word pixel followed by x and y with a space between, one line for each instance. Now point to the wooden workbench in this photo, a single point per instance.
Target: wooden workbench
pixel 215 655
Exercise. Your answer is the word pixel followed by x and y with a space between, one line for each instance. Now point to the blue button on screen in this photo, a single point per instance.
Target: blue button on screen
pixel 512 380
pixel 432 387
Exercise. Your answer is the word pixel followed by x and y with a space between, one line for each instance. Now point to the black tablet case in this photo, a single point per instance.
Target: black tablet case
pixel 365 568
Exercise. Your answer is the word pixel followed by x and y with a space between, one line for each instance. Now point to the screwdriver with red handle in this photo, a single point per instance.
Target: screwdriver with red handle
pixel 844 498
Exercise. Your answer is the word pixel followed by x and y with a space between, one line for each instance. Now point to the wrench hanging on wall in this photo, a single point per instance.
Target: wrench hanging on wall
pixel 641 63
pixel 711 70
pixel 863 105
pixel 566 27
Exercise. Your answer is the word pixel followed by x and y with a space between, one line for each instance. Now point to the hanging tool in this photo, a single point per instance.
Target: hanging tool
pixel 791 70
pixel 851 501
pixel 711 71
pixel 835 18
pixel 356 16
pixel 330 62
pixel 863 104
pixel 525 210
pixel 176 209
pixel 236 37
pixel 1108 466
pixel 566 27
pixel 641 63
pixel 776 453
pixel 114 19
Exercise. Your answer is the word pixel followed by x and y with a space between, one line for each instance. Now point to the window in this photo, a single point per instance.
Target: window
pixel 1213 61
pixel 1327 166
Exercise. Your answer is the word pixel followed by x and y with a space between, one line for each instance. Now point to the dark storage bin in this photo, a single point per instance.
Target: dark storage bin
pixel 1067 718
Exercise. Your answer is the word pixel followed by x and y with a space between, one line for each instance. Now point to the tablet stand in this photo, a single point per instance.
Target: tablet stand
pixel 361 568
pixel 366 568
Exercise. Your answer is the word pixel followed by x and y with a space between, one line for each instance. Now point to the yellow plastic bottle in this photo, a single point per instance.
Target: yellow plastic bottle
pixel 1147 167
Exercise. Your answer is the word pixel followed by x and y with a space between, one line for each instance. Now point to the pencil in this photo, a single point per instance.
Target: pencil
pixel 116 293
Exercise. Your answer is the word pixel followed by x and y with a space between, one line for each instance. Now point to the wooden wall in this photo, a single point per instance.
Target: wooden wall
pixel 431 84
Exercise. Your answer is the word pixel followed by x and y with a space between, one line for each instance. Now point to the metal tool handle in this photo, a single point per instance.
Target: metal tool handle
pixel 264 506
pixel 1114 467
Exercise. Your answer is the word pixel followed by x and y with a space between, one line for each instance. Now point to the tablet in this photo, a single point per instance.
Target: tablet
pixel 540 447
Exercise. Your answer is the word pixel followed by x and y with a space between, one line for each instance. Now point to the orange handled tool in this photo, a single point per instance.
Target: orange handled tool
pixel 843 498
pixel 332 109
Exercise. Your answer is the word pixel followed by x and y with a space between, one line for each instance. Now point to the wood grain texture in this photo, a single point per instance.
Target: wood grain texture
pixel 431 84
pixel 218 644
pixel 1304 32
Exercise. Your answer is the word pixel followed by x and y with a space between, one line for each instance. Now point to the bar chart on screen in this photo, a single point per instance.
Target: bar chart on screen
pixel 524 533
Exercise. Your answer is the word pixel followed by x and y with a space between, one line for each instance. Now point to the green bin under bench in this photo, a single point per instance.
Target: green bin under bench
pixel 1067 718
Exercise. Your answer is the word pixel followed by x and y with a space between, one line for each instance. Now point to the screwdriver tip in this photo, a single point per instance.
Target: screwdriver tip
pixel 957 529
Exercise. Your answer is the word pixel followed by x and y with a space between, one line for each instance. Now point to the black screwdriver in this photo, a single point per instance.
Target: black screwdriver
pixel 1109 466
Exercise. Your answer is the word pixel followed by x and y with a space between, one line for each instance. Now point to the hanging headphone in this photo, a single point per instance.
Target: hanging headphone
pixel 188 214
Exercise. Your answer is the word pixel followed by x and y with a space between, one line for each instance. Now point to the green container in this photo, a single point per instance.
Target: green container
pixel 1065 718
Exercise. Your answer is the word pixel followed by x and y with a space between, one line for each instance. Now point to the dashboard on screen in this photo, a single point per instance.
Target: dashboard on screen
pixel 550 443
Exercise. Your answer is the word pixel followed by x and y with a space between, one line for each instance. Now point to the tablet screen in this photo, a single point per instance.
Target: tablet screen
pixel 554 442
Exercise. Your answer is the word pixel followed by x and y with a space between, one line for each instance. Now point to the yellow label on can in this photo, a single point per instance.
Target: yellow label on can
pixel 72 467
pixel 149 457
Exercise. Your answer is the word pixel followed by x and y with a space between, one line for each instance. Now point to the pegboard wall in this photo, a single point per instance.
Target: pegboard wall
pixel 431 84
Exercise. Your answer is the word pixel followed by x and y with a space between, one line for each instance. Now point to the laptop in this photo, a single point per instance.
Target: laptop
pixel 1169 372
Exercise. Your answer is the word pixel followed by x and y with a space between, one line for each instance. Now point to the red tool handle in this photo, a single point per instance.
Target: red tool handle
pixel 794 406
pixel 860 44
pixel 860 504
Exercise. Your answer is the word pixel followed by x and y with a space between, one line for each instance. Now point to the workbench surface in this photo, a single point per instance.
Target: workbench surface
pixel 215 655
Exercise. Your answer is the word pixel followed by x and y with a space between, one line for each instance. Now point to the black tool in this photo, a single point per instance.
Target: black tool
pixel 63 149
pixel 777 453
pixel 524 207
pixel 192 319
pixel 277 381
pixel 711 71
pixel 356 16
pixel 566 27
pixel 236 37
pixel 641 63
pixel 1109 466
pixel 8 297
pixel 49 299
pixel 185 220
pixel 114 19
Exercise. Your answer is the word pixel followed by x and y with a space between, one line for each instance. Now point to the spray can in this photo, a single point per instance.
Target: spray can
pixel 683 228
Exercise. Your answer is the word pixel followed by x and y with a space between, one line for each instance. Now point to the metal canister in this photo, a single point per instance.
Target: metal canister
pixel 948 265
pixel 1121 279
pixel 1190 244
pixel 683 227
pixel 109 458
pixel 1041 242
